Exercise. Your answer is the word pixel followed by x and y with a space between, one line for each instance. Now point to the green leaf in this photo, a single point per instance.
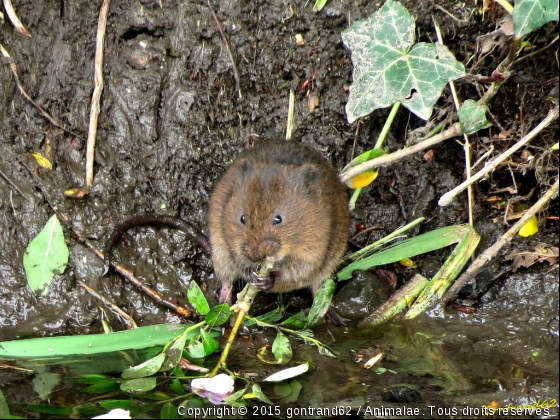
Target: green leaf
pixel 218 315
pixel 298 320
pixel 282 390
pixel 45 256
pixel 473 117
pixel 177 387
pixel 173 353
pixel 169 411
pixel 4 410
pixel 256 390
pixel 195 349
pixel 140 338
pixel 109 385
pixel 287 373
pixel 436 239
pixel 203 346
pixel 139 385
pixel 319 4
pixel 62 411
pixel 529 15
pixel 197 299
pixel 296 387
pixel 269 317
pixel 148 368
pixel 389 68
pixel 281 348
pixel 44 382
pixel 235 399
pixel 210 345
pixel 321 302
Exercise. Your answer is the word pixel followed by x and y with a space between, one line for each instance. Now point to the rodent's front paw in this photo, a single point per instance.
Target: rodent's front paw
pixel 263 283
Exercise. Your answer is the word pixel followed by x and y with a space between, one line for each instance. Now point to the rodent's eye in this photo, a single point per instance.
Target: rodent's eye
pixel 277 220
pixel 242 220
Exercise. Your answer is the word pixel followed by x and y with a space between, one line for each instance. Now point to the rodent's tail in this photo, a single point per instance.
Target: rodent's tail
pixel 153 219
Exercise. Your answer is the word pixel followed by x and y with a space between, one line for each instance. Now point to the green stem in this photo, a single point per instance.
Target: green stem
pixel 244 302
pixel 354 198
pixel 387 126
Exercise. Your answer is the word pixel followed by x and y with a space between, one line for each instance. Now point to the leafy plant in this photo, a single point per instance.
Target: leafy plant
pixel 389 67
pixel 529 15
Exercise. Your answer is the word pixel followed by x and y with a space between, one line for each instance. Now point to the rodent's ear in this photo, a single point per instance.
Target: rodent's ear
pixel 309 174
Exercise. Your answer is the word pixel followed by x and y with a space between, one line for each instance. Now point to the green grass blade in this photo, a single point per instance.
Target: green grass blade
pixel 431 241
pixel 371 248
pixel 400 300
pixel 447 273
pixel 140 338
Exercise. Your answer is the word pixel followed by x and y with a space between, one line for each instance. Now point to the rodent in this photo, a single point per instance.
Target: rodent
pixel 278 201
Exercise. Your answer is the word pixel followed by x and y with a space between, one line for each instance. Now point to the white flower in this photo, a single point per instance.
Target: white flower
pixel 117 413
pixel 214 389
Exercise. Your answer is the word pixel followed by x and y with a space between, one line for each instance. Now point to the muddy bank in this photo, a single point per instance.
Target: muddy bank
pixel 171 122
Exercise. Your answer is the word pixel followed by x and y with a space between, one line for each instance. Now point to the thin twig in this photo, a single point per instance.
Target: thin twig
pixel 448 197
pixel 466 145
pixel 131 323
pixel 453 131
pixel 519 60
pixel 15 19
pixel 226 43
pixel 14 186
pixel 13 67
pixel 290 122
pixel 98 82
pixel 491 252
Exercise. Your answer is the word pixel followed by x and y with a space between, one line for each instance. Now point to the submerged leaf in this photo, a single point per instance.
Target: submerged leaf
pixel 139 384
pixel 281 348
pixel 149 367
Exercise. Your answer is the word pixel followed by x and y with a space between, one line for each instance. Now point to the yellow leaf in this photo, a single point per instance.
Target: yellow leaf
pixel 373 361
pixel 42 161
pixel 529 228
pixel 76 192
pixel 407 262
pixel 364 179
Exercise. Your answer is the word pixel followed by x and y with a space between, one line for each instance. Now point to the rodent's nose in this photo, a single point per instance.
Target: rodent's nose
pixel 266 248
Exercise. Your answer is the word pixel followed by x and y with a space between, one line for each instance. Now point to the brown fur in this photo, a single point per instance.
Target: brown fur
pixel 296 183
